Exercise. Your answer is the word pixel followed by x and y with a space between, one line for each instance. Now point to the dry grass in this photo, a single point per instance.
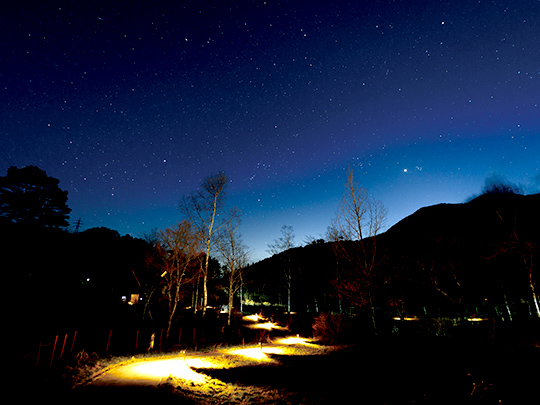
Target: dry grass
pixel 200 382
pixel 210 389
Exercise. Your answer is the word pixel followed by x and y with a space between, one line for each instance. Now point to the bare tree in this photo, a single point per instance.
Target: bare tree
pixel 175 256
pixel 527 255
pixel 523 252
pixel 204 209
pixel 358 221
pixel 450 287
pixel 283 244
pixel 233 254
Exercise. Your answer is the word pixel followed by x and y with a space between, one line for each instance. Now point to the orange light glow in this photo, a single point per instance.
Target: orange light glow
pixel 293 340
pixel 162 369
pixel 266 325
pixel 256 323
pixel 257 353
pixel 159 370
pixel 251 318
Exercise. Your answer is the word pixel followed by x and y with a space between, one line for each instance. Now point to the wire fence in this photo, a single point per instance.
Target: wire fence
pixel 73 344
pixel 68 345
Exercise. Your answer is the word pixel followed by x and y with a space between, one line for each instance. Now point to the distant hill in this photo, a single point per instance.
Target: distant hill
pixel 490 217
pixel 469 257
pixel 464 258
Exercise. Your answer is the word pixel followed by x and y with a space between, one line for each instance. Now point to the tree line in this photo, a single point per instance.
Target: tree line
pixel 171 267
pixel 202 260
pixel 450 262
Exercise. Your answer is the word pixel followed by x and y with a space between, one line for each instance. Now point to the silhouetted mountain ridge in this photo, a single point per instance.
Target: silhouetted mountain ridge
pixel 445 254
pixel 488 217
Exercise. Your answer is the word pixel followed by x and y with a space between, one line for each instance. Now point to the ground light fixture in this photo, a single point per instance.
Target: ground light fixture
pixel 295 340
pixel 252 318
pixel 406 318
pixel 257 322
pixel 259 352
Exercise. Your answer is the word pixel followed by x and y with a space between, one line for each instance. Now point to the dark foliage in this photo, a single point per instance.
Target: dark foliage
pixel 29 197
pixel 500 186
pixel 59 281
pixel 448 258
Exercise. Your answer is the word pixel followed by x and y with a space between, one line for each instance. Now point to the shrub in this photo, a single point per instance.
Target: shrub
pixel 331 329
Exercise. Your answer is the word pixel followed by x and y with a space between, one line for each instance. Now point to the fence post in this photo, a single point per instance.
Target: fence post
pixel 63 346
pixel 53 350
pixel 73 343
pixel 108 341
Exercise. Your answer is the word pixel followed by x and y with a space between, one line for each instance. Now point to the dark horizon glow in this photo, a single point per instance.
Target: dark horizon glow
pixel 131 105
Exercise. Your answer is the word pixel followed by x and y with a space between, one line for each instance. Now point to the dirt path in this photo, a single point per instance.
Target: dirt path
pixel 153 372
pixel 148 373
pixel 195 378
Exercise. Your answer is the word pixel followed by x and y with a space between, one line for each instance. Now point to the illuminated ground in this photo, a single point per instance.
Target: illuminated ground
pixel 157 371
pixel 180 369
pixel 294 370
pixel 382 372
pixel 255 373
pixel 203 378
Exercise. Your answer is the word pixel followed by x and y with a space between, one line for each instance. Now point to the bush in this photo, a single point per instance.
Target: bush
pixel 331 329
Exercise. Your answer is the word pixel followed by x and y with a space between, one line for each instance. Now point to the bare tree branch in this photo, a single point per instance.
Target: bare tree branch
pixel 283 244
pixel 176 251
pixel 359 219
pixel 204 209
pixel 234 256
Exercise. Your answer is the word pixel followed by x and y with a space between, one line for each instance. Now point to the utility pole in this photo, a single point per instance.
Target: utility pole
pixel 78 225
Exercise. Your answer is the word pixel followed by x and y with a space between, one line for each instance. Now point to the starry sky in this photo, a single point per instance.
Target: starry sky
pixel 131 104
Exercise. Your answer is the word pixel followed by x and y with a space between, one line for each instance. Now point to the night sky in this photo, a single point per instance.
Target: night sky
pixel 131 105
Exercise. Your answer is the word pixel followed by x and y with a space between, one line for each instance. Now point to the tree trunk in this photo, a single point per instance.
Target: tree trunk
pixel 231 297
pixel 373 315
pixel 289 296
pixel 507 307
pixel 241 298
pixel 169 323
pixel 535 298
pixel 205 272
pixel 196 297
pixel 172 310
pixel 205 293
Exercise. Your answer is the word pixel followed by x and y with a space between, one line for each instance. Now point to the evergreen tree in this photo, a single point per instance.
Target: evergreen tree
pixel 29 197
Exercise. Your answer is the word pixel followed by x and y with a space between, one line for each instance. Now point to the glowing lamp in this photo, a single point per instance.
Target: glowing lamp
pixel 251 318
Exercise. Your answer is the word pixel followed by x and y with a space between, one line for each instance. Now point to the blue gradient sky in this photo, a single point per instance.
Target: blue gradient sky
pixel 132 104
